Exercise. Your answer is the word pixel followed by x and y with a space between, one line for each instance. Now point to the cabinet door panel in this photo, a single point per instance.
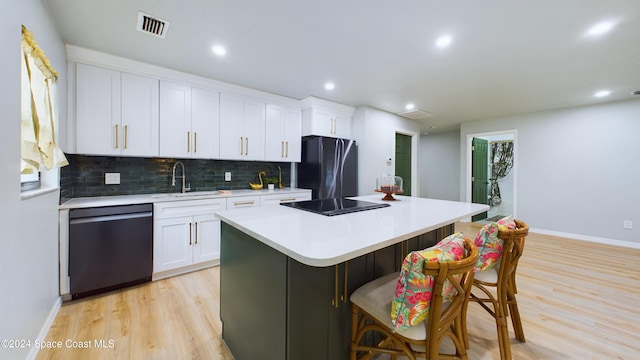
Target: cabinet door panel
pixel 139 116
pixel 97 111
pixel 175 120
pixel 231 122
pixel 205 123
pixel 293 134
pixel 206 238
pixel 171 247
pixel 322 123
pixel 254 129
pixel 274 134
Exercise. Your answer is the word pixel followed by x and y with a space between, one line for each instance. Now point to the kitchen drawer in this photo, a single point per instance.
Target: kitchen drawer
pixel 276 199
pixel 242 202
pixel 173 209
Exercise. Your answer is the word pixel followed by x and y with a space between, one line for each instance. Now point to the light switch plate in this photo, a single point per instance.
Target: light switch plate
pixel 227 176
pixel 627 224
pixel 112 178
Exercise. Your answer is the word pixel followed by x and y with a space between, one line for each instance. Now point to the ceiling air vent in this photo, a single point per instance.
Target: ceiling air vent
pixel 152 25
pixel 416 114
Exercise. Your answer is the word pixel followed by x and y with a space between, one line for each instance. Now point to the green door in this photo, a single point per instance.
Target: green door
pixel 479 173
pixel 403 161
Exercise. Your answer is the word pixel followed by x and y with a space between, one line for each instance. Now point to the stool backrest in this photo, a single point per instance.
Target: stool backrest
pixel 460 275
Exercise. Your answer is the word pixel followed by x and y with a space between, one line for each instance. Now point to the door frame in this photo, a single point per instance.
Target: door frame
pixel 467 179
pixel 415 188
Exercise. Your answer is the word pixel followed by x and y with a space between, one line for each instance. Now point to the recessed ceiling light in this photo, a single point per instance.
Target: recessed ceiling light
pixel 329 86
pixel 602 93
pixel 219 50
pixel 600 28
pixel 444 41
pixel 410 106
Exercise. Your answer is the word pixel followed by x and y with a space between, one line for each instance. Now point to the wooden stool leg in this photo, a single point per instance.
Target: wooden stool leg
pixel 354 331
pixel 463 325
pixel 515 320
pixel 503 338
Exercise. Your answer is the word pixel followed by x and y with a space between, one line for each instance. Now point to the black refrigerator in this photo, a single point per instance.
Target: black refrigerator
pixel 329 167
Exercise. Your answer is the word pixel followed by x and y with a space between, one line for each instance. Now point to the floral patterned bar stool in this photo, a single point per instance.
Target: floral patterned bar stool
pixel 500 246
pixel 412 312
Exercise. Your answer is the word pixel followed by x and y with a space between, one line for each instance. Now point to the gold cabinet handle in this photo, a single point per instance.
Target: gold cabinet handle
pixel 287 153
pixel 287 199
pixel 126 133
pixel 334 302
pixel 117 146
pixel 236 203
pixel 188 141
pixel 195 142
pixel 346 278
pixel 196 233
pixel 246 150
pixel 190 232
pixel 281 148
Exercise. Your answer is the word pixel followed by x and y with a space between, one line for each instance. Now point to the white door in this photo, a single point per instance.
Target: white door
pixel 175 120
pixel 172 246
pixel 293 134
pixel 206 238
pixel 254 129
pixel 139 115
pixel 231 121
pixel 205 123
pixel 98 129
pixel 274 139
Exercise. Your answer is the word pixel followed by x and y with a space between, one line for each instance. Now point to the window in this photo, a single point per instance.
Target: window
pixel 39 150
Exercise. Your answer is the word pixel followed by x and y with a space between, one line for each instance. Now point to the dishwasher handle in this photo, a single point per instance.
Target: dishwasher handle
pixel 105 218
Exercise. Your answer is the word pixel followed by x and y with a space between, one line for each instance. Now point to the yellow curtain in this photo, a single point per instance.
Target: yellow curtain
pixel 39 148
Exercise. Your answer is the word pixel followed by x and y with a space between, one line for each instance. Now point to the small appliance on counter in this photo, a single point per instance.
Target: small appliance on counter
pixel 389 184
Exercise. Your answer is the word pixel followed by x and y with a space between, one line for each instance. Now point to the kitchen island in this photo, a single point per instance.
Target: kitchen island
pixel 286 274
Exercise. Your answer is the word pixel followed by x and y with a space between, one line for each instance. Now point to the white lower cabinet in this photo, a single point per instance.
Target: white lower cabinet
pixel 276 199
pixel 242 202
pixel 186 233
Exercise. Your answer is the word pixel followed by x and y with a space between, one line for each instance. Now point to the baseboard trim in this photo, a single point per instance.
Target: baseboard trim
pixel 45 327
pixel 600 240
pixel 183 270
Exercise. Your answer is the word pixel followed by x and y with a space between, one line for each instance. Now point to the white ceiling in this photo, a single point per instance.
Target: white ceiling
pixel 507 56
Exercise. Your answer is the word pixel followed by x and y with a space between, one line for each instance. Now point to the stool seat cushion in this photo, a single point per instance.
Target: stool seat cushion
pixel 375 298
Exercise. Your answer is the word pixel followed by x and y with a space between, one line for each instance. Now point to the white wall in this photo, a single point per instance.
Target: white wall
pixel 578 168
pixel 29 238
pixel 439 165
pixel 375 134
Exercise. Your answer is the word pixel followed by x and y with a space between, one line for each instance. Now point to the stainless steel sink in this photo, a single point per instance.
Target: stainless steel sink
pixel 187 194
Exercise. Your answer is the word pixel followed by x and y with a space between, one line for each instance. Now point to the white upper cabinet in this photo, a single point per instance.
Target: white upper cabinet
pixel 205 123
pixel 242 128
pixel 283 133
pixel 116 113
pixel 189 122
pixel 326 118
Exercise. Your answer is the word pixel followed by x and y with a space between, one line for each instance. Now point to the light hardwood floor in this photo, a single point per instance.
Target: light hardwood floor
pixel 578 300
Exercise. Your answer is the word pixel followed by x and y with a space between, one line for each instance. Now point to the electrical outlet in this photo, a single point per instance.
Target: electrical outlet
pixel 627 224
pixel 227 176
pixel 112 178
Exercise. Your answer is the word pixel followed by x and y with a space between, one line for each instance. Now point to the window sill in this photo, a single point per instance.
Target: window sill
pixel 37 192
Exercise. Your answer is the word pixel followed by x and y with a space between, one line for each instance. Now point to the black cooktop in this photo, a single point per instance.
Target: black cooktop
pixel 336 206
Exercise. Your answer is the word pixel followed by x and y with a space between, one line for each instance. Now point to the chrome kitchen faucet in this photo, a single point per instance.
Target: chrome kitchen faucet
pixel 183 176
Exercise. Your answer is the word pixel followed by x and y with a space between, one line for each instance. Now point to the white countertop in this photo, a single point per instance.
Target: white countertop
pixel 115 200
pixel 319 240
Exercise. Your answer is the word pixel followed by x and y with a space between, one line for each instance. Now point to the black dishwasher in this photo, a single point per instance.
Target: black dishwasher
pixel 109 248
